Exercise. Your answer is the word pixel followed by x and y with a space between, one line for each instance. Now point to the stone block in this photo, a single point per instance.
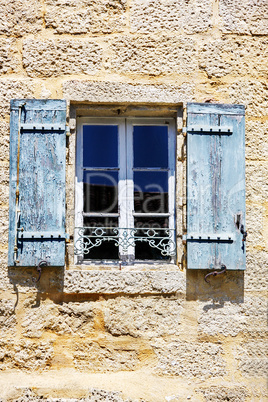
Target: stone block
pixel 20 17
pixel 25 355
pixel 5 284
pixel 132 282
pixel 257 181
pixel 86 16
pixel 8 319
pixel 173 15
pixel 4 192
pixel 257 225
pixel 4 141
pixel 58 57
pixel 67 318
pixel 8 56
pixel 149 55
pixel 257 140
pixel 252 358
pixel 219 394
pixel 250 17
pixel 230 318
pixel 252 94
pixel 117 92
pixel 143 317
pixel 188 359
pixel 104 356
pixel 255 275
pixel 13 89
pixel 237 56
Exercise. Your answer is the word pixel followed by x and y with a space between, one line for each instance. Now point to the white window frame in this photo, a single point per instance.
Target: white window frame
pixel 125 178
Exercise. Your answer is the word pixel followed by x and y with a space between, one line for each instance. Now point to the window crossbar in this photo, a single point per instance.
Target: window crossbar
pixel 89 238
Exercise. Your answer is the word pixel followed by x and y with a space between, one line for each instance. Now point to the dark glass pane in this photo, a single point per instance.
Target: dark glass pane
pixel 100 229
pixel 151 192
pixel 150 146
pixel 100 191
pixel 149 228
pixel 100 146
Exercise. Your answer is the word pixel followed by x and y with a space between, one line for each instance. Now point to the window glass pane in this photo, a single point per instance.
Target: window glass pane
pixel 100 230
pixel 149 229
pixel 100 191
pixel 100 146
pixel 150 146
pixel 151 192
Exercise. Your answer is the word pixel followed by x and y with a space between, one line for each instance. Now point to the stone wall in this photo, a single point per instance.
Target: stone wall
pixel 159 334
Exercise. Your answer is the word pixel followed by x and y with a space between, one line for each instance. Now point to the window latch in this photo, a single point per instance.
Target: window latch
pixel 41 264
pixel 214 273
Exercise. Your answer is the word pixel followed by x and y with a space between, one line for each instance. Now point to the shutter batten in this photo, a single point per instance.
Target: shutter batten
pixel 37 175
pixel 215 186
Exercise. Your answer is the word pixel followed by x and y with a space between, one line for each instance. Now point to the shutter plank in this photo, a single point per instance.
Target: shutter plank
pixel 216 186
pixel 41 182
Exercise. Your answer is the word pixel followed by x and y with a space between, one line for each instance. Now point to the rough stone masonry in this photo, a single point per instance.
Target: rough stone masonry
pixel 143 334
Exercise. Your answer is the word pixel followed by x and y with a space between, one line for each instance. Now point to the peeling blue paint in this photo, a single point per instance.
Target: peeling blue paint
pixel 41 182
pixel 215 185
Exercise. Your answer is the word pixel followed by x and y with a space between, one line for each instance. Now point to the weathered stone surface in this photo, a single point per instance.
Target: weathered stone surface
pixel 7 318
pixel 57 57
pixel 4 141
pixel 110 282
pixel 84 16
pixel 94 395
pixel 145 55
pixel 221 57
pixel 20 17
pixel 25 355
pixel 252 358
pixel 51 280
pixel 257 181
pixel 257 225
pixel 4 193
pixel 173 15
pixel 12 89
pixel 4 221
pixel 100 356
pixel 257 140
pixel 249 17
pixel 219 394
pixel 255 277
pixel 252 94
pixel 4 279
pixel 120 92
pixel 8 56
pixel 68 318
pixel 143 317
pixel 188 359
pixel 229 318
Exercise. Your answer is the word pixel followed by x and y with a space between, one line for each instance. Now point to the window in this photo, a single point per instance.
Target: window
pixel 125 189
pixel 125 186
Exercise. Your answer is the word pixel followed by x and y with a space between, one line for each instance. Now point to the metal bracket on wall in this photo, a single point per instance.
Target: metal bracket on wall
pixel 214 273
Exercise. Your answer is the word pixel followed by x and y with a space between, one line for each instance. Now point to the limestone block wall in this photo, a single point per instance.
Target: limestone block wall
pixel 137 334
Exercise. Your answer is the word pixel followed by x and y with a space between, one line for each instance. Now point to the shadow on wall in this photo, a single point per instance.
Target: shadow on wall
pixel 226 286
pixel 51 281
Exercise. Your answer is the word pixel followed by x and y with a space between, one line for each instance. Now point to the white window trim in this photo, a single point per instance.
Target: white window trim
pixel 125 183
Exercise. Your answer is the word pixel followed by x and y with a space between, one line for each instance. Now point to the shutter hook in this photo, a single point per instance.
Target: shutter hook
pixel 41 264
pixel 214 273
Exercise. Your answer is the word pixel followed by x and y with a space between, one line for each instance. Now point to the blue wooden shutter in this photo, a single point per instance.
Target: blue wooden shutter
pixel 215 186
pixel 37 213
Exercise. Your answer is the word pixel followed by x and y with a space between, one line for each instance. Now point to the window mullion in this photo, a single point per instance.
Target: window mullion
pixel 122 189
pixel 130 186
pixel 171 177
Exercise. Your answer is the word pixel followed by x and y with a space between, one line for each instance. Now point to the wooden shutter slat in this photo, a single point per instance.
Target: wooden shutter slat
pixel 215 187
pixel 41 182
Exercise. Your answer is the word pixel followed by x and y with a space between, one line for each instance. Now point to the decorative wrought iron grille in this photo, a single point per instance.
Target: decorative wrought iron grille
pixel 90 237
